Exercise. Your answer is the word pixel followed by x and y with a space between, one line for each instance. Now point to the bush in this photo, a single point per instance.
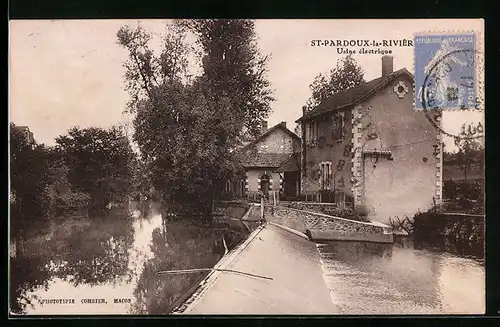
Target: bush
pixel 433 225
pixel 464 196
pixel 398 224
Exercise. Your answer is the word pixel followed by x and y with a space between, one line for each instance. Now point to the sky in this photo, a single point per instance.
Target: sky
pixel 66 73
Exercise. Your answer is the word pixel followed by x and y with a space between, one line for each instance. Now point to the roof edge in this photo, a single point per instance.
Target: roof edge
pixel 365 96
pixel 269 131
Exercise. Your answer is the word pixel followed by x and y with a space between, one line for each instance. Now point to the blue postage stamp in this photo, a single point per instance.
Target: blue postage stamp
pixel 445 71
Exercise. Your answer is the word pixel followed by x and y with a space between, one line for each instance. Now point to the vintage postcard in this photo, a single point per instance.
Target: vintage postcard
pixel 308 167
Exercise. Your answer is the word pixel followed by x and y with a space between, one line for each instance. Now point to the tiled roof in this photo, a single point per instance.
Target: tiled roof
pixel 352 96
pixel 249 157
pixel 292 164
pixel 263 160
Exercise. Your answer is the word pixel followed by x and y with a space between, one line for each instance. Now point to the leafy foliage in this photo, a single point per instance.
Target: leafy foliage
pixel 145 70
pixel 29 180
pixel 100 163
pixel 470 151
pixel 185 144
pixel 345 75
pixel 234 67
pixel 432 224
pixel 464 196
pixel 187 128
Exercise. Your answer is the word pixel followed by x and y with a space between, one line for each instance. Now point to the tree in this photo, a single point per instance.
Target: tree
pixel 235 68
pixel 187 128
pixel 179 136
pixel 29 178
pixel 470 150
pixel 64 198
pixel 144 70
pixel 345 75
pixel 100 163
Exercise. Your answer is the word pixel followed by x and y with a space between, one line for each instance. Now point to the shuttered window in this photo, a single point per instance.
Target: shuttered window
pixel 338 127
pixel 325 169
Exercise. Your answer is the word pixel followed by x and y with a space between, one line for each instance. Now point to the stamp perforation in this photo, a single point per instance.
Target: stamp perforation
pixel 478 46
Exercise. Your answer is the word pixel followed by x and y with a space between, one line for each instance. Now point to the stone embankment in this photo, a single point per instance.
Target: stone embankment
pixel 321 227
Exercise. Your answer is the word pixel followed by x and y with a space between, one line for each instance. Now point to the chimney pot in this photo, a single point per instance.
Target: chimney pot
pixel 283 123
pixel 264 127
pixel 387 65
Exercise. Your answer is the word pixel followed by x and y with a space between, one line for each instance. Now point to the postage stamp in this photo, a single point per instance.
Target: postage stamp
pixel 446 71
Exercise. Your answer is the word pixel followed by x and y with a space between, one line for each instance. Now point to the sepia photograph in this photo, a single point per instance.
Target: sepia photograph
pixel 246 167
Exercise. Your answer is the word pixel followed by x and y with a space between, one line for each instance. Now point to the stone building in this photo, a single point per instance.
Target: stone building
pixel 367 146
pixel 270 163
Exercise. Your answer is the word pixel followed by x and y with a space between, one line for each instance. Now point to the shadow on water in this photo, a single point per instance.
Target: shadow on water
pixel 90 250
pixel 471 250
pixel 182 244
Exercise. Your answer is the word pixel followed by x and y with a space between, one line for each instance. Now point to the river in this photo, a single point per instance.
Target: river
pixel 116 260
pixel 113 260
pixel 406 277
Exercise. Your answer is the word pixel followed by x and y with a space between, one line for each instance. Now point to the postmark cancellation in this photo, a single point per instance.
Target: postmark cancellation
pixel 448 71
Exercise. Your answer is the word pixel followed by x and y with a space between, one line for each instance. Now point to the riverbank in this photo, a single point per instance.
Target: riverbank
pixel 459 227
pixel 281 259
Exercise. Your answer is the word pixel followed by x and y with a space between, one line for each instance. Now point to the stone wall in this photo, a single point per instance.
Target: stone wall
pixel 302 220
pixel 330 209
pixel 278 142
pixel 327 149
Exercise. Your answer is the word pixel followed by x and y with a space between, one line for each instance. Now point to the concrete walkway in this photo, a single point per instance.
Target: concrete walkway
pixel 293 263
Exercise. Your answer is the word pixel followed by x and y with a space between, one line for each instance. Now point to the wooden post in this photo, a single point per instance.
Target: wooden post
pixel 262 208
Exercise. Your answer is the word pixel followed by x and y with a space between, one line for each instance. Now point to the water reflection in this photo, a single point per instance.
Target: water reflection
pixel 74 252
pixel 115 255
pixel 405 278
pixel 181 244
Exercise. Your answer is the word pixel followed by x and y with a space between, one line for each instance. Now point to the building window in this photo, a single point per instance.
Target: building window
pixel 325 171
pixel 312 132
pixel 338 127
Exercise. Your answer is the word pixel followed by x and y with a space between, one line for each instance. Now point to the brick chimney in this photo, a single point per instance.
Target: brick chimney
pixel 387 65
pixel 304 110
pixel 283 123
pixel 264 127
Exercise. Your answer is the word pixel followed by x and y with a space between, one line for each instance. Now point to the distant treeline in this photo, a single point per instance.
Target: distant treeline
pixel 86 170
pixel 475 156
